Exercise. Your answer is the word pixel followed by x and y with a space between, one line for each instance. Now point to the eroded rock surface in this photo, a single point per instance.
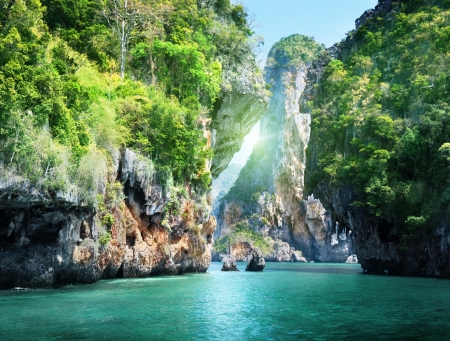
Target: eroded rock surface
pixel 229 264
pixel 271 184
pixel 47 241
pixel 353 259
pixel 283 252
pixel 257 263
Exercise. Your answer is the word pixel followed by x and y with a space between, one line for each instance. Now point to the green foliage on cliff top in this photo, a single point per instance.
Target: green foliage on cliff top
pixel 294 50
pixel 381 118
pixel 63 102
pixel 242 232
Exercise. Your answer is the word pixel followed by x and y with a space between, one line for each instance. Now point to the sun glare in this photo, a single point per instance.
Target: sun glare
pixel 252 138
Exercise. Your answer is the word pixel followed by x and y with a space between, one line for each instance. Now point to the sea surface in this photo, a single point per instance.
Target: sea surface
pixel 288 301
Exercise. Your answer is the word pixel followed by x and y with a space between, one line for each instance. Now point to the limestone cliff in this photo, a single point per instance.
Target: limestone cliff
pixel 396 232
pixel 232 119
pixel 47 241
pixel 271 184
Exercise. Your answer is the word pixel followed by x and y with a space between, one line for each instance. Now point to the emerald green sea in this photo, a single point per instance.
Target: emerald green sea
pixel 288 301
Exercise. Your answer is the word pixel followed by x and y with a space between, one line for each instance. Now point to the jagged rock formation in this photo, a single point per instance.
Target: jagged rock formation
pixel 240 252
pixel 229 264
pixel 382 6
pixel 53 241
pixel 283 252
pixel 271 184
pixel 257 262
pixel 353 259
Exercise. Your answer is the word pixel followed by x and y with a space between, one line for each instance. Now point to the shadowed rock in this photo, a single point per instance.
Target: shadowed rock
pixel 257 263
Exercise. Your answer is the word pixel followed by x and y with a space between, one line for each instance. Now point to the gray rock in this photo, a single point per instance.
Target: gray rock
pixel 352 259
pixel 257 263
pixel 297 257
pixel 229 264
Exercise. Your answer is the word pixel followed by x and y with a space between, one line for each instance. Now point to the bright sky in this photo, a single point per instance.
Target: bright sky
pixel 325 20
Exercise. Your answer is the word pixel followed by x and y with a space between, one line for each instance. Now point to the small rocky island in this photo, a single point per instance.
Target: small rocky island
pixel 257 263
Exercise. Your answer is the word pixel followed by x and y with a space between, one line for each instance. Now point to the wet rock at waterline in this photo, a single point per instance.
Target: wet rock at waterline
pixel 283 252
pixel 257 263
pixel 229 264
pixel 47 242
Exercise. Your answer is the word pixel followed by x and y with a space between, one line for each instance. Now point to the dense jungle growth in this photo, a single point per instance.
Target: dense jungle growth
pixel 80 80
pixel 381 120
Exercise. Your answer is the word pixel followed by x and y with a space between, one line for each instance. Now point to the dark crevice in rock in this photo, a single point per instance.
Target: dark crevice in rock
pixel 131 240
pixel 119 273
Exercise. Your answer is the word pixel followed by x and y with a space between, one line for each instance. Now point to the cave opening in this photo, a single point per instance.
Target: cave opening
pixel 131 240
pixel 384 228
pixel 119 273
pixel 84 230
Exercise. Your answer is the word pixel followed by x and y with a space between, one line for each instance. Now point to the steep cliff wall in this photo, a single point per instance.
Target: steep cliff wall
pixel 232 119
pixel 48 241
pixel 75 207
pixel 271 184
pixel 375 158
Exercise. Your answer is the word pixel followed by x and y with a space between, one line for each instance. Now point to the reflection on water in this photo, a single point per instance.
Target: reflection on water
pixel 288 301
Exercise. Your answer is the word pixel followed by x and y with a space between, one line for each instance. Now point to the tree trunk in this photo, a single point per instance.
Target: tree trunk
pixel 123 45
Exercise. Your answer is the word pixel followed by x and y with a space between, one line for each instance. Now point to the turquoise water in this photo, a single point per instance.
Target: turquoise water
pixel 288 301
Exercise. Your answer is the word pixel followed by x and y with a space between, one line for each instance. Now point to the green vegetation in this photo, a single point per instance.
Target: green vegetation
pixel 242 232
pixel 381 119
pixel 73 91
pixel 293 51
pixel 105 238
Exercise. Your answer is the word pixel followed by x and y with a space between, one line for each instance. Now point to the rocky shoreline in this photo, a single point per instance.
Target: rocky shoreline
pixel 47 242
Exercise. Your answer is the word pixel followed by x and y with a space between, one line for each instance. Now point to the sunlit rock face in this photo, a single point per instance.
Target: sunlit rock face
pixel 302 223
pixel 233 118
pixel 49 241
pixel 272 182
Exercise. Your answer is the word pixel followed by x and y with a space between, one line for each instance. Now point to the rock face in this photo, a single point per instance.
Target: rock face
pixel 271 183
pixel 45 242
pixel 257 262
pixel 222 184
pixel 229 264
pixel 283 252
pixel 232 119
pixel 373 239
pixel 240 252
pixel 383 6
pixel 353 259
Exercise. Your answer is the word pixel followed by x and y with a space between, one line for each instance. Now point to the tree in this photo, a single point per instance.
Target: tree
pixel 132 17
pixel 5 7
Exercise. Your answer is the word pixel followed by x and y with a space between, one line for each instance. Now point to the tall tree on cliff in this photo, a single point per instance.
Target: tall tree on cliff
pixel 128 18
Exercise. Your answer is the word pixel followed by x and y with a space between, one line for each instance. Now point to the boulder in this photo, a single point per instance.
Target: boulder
pixel 257 263
pixel 297 257
pixel 229 264
pixel 352 259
